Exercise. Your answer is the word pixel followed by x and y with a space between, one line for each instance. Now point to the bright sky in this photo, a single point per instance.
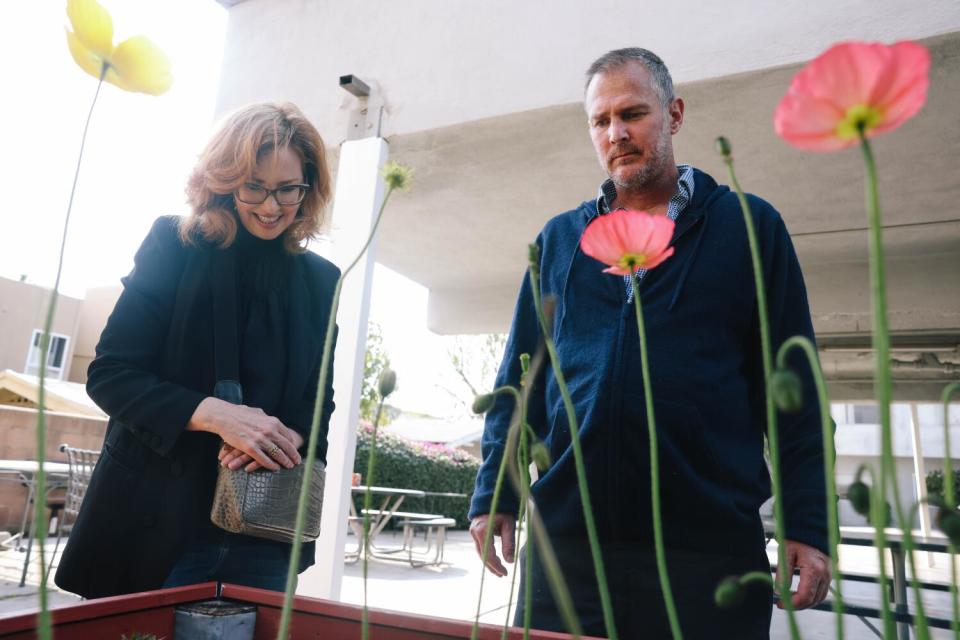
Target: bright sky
pixel 138 153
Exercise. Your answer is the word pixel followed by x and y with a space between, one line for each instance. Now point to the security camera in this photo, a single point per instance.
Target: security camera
pixel 355 85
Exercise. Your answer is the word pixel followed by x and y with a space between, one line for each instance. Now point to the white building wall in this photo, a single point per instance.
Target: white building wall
pixel 860 443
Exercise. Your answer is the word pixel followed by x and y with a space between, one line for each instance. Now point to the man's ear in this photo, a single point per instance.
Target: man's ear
pixel 675 111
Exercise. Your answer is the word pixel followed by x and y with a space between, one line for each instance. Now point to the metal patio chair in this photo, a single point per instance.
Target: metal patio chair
pixel 82 462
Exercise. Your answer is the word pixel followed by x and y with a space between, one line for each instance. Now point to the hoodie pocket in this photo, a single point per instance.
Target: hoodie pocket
pixel 687 458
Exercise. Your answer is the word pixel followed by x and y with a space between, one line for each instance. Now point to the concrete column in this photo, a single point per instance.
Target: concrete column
pixel 920 476
pixel 358 196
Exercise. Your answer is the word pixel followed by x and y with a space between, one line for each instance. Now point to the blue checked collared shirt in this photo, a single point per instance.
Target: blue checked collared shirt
pixel 678 202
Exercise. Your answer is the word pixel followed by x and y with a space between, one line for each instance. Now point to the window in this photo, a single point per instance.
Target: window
pixel 856 413
pixel 866 414
pixel 55 358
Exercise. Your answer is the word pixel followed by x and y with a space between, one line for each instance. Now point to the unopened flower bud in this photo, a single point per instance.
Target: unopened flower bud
pixel 729 593
pixel 541 456
pixel 949 522
pixel 858 494
pixel 533 255
pixel 397 176
pixel 722 146
pixel 887 515
pixel 786 390
pixel 524 362
pixel 387 382
pixel 483 403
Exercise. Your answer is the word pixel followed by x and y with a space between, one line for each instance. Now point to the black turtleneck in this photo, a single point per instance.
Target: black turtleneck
pixel 263 287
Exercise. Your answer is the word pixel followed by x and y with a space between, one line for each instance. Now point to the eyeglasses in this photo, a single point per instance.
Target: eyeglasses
pixel 288 194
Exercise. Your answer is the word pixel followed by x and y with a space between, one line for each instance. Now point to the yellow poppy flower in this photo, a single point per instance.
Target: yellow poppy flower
pixel 397 176
pixel 136 64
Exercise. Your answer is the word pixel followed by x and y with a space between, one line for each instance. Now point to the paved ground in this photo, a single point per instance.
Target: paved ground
pixel 451 590
pixel 14 598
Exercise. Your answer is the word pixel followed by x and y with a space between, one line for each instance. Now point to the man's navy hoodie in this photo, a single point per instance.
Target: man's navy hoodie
pixel 703 338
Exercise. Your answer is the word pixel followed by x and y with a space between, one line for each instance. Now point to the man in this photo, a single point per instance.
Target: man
pixel 707 379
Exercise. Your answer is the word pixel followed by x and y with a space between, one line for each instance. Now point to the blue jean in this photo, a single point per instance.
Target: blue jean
pixel 233 558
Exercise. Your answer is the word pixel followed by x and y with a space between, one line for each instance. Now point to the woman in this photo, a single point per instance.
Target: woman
pixel 257 196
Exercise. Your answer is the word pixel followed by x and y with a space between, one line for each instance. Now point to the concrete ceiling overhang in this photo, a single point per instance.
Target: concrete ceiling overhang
pixel 482 99
pixel 485 188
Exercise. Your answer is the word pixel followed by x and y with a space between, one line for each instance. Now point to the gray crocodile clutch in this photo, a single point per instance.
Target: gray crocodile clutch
pixel 263 503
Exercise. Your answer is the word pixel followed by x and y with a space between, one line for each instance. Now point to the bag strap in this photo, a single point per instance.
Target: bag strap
pixel 226 343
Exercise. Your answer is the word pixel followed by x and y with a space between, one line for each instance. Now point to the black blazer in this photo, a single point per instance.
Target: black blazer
pixel 153 485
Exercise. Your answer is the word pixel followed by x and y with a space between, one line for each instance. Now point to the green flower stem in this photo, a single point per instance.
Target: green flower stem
pixel 536 532
pixel 577 455
pixel 367 505
pixel 528 546
pixel 773 438
pixel 882 382
pixel 951 501
pixel 528 568
pixel 554 575
pixel 525 505
pixel 878 518
pixel 878 508
pixel 494 503
pixel 528 586
pixel 44 622
pixel 528 556
pixel 833 521
pixel 948 488
pixel 654 468
pixel 284 628
pixel 513 576
pixel 524 465
pixel 923 630
pixel 548 557
pixel 523 462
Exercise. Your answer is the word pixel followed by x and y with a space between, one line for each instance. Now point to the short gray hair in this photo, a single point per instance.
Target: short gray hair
pixel 662 82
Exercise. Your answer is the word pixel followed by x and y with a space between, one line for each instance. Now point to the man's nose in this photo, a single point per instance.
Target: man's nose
pixel 617 131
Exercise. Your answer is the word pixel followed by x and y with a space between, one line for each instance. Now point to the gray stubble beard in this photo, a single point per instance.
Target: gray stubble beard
pixel 648 174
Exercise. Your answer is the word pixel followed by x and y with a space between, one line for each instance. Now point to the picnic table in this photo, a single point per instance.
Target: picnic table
pixel 388 501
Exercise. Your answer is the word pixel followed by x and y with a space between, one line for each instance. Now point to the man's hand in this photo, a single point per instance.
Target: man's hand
pixel 504 527
pixel 814 574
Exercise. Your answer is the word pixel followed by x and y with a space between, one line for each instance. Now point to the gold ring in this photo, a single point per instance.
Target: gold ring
pixel 273 450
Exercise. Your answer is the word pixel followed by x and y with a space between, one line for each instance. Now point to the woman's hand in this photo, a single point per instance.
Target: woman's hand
pixel 235 458
pixel 252 439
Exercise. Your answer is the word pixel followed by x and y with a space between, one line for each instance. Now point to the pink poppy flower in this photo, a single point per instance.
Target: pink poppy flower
pixel 628 240
pixel 850 85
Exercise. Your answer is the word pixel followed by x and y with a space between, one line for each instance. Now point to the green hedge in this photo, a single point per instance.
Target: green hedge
pixel 935 483
pixel 413 465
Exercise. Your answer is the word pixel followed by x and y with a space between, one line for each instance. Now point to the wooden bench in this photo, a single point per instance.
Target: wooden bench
pixel 435 530
pixel 376 513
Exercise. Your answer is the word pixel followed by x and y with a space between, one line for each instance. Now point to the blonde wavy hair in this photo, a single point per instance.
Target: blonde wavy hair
pixel 228 161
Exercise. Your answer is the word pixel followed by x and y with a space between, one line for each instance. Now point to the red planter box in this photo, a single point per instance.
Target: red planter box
pixel 111 618
pixel 153 612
